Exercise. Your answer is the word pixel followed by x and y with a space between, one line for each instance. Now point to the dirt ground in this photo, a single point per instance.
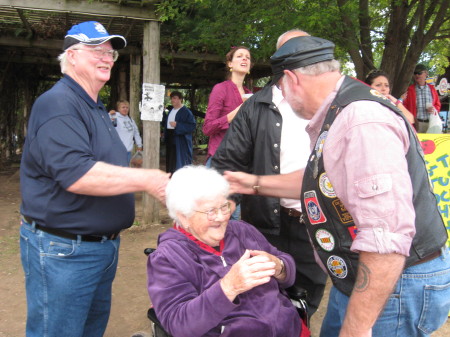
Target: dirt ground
pixel 130 299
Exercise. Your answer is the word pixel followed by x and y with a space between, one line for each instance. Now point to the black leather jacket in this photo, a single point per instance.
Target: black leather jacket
pixel 252 145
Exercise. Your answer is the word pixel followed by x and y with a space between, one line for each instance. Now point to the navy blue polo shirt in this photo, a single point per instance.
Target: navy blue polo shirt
pixel 67 134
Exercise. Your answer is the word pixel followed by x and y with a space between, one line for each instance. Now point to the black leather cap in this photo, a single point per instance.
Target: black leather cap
pixel 300 52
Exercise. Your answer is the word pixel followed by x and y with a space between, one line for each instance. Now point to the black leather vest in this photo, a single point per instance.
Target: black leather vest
pixel 330 225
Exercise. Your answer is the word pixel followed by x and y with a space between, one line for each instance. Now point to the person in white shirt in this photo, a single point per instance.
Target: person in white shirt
pixel 126 127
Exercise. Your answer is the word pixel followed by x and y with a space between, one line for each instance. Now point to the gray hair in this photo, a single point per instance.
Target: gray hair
pixel 319 68
pixel 62 58
pixel 192 184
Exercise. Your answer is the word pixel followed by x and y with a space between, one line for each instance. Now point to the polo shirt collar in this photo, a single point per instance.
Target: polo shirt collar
pixel 71 83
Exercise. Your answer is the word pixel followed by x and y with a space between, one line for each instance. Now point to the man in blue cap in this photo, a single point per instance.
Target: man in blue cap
pixel 370 210
pixel 77 193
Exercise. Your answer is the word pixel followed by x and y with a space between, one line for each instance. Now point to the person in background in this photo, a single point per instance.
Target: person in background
pixel 225 100
pixel 421 98
pixel 77 193
pixel 370 209
pixel 379 80
pixel 267 137
pixel 126 127
pixel 210 276
pixel 179 124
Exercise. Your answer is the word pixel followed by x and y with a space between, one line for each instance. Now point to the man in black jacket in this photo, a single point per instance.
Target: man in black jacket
pixel 267 138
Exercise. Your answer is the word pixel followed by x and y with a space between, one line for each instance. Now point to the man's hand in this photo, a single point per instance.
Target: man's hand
pixel 157 185
pixel 240 182
pixel 173 124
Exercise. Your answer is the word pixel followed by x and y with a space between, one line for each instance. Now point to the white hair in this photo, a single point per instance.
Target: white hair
pixel 62 58
pixel 192 184
pixel 319 68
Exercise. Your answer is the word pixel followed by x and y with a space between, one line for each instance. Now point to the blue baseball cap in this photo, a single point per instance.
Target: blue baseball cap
pixel 92 33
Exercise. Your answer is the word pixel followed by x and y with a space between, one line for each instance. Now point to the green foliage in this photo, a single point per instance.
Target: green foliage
pixel 367 33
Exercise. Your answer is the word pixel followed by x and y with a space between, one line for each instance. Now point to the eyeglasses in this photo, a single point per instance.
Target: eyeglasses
pixel 100 53
pixel 213 212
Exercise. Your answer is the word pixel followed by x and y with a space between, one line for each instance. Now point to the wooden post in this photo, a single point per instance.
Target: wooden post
pixel 151 130
pixel 135 87
pixel 122 82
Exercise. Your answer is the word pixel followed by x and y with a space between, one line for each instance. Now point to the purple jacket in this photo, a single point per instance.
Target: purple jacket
pixel 184 287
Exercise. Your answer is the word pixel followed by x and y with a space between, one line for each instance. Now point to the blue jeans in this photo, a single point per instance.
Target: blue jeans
pixel 418 306
pixel 236 215
pixel 68 283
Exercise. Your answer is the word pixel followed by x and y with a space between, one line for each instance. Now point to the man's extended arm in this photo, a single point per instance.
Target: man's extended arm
pixel 105 180
pixel 281 185
pixel 376 279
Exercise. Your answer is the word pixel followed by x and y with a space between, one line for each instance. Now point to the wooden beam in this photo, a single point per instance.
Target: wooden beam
pixel 49 44
pixel 25 22
pixel 97 8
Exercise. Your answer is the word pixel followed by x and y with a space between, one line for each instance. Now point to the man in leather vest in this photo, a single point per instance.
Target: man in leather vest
pixel 370 209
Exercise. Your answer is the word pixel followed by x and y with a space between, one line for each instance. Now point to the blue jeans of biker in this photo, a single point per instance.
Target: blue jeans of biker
pixel 418 306
pixel 68 283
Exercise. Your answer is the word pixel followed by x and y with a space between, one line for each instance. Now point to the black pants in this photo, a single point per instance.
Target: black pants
pixel 294 240
pixel 171 151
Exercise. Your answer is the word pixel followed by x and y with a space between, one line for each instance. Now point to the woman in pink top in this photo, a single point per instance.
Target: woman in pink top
pixel 226 98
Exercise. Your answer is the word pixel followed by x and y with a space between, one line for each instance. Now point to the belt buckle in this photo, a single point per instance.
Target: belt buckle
pixel 290 212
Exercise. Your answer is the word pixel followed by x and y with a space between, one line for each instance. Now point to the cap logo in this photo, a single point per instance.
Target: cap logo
pixel 99 28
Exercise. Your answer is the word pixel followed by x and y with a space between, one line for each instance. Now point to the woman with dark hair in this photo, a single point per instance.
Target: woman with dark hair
pixel 226 98
pixel 379 80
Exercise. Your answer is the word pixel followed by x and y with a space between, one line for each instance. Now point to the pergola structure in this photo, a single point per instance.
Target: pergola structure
pixel 32 32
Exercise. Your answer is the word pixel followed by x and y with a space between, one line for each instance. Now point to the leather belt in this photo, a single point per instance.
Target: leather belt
pixel 428 257
pixel 291 212
pixel 423 120
pixel 64 234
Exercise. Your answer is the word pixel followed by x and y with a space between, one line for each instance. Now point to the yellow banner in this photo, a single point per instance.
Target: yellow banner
pixel 437 157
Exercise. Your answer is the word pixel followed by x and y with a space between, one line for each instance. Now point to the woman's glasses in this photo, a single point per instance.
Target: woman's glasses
pixel 214 212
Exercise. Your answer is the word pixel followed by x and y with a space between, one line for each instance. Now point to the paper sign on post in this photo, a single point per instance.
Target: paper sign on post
pixel 152 104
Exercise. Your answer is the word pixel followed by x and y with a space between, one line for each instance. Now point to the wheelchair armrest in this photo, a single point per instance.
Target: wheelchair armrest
pixel 152 316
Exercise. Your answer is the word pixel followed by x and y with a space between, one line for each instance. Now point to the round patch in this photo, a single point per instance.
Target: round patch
pixel 337 266
pixel 325 239
pixel 325 186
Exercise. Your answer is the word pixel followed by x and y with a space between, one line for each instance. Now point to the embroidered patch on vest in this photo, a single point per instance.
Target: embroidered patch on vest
pixel 325 239
pixel 325 186
pixel 337 266
pixel 341 211
pixel 319 144
pixel 313 209
pixel 353 231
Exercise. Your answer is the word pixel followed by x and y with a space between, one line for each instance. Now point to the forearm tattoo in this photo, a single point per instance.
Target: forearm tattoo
pixel 362 281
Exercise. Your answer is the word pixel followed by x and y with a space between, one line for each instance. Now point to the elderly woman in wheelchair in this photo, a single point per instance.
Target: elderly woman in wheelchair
pixel 211 276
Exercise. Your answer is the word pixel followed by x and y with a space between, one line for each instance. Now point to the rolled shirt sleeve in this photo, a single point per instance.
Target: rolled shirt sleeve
pixel 365 159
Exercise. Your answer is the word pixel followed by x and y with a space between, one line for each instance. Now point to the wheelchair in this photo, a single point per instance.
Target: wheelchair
pixel 296 295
